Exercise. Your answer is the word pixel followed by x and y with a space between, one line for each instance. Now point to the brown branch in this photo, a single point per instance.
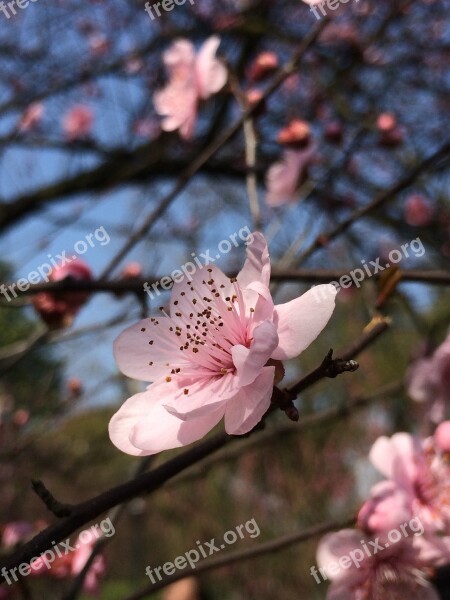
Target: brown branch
pixel 144 484
pixel 324 239
pixel 434 277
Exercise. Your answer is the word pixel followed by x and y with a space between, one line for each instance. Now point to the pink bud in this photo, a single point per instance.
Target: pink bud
pixel 390 132
pixel 131 270
pixel 77 122
pixel 75 387
pixel 58 309
pixel 333 132
pixel 296 135
pixel 386 122
pixel 20 417
pixel 418 211
pixel 264 63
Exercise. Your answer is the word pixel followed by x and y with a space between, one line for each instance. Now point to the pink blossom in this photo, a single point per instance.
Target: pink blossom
pixel 428 380
pixel 80 557
pixel 264 63
pixel 418 211
pixel 418 483
pixel 210 358
pixel 284 178
pixel 192 78
pixel 77 122
pixel 296 135
pixel 395 571
pixel 31 117
pixel 58 309
pixel 16 532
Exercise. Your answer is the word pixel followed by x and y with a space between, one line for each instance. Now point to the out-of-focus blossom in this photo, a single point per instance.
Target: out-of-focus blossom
pixel 131 270
pixel 80 557
pixel 264 64
pixel 389 131
pixel 428 381
pixel 296 135
pixel 148 128
pixel 333 132
pixel 192 77
pixel 253 96
pixel 75 387
pixel 418 483
pixel 77 122
pixel 210 358
pixel 21 417
pixel 70 564
pixel 16 532
pixel 418 211
pixel 442 437
pixel 58 309
pixel 284 178
pixel 98 43
pixel 394 572
pixel 31 117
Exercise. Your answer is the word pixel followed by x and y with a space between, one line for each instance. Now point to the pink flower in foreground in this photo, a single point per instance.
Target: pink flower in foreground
pixel 212 357
pixel 429 380
pixel 284 178
pixel 418 482
pixel 192 77
pixel 77 122
pixel 393 572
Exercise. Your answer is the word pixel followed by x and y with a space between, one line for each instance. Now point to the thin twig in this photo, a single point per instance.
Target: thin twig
pixel 278 544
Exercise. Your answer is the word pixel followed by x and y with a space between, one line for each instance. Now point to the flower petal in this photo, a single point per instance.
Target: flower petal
pixel 250 361
pixel 148 341
pixel 300 321
pixel 332 547
pixel 142 426
pixel 211 74
pixel 396 458
pixel 257 264
pixel 248 407
pixel 199 398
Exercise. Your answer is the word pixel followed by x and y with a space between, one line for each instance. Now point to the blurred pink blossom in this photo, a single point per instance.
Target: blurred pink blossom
pixel 77 122
pixel 428 380
pixel 393 572
pixel 16 532
pixel 285 177
pixel 192 78
pixel 417 485
pixel 264 63
pixel 58 309
pixel 31 117
pixel 418 211
pixel 210 358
